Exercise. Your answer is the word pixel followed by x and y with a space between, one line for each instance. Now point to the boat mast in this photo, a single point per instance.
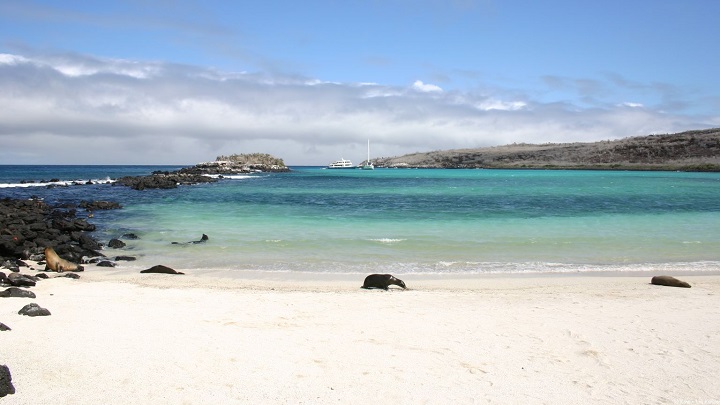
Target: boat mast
pixel 368 159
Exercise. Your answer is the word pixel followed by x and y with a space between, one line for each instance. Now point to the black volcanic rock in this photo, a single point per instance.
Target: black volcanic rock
pixel 33 310
pixel 17 292
pixel 6 387
pixel 67 274
pixel 27 227
pixel 99 205
pixel 116 244
pixel 162 180
pixel 22 280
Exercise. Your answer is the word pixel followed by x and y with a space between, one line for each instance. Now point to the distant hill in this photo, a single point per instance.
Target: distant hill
pixel 687 151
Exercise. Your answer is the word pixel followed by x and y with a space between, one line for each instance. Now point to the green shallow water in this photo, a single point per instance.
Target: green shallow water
pixel 406 221
pixel 436 221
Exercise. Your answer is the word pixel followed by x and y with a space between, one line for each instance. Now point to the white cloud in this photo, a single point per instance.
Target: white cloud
pixel 426 88
pixel 78 109
pixel 492 104
pixel 631 105
pixel 7 59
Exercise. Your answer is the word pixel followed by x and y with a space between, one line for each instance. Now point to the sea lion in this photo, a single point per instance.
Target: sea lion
pixel 382 281
pixel 57 263
pixel 161 269
pixel 669 281
pixel 202 240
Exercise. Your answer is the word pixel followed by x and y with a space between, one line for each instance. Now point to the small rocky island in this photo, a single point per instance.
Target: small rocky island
pixel 207 172
pixel 697 150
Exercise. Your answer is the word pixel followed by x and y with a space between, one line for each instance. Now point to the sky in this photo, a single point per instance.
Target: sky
pixel 182 82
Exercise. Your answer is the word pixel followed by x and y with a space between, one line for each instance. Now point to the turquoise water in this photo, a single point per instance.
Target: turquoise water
pixel 418 221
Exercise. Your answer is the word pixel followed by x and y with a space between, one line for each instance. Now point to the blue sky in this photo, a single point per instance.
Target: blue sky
pixel 180 82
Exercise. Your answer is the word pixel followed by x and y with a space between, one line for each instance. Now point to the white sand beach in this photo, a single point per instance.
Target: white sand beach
pixel 118 338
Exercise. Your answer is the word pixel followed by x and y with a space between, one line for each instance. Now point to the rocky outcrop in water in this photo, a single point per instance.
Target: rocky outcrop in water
pixel 163 180
pixel 688 151
pixel 238 164
pixel 202 172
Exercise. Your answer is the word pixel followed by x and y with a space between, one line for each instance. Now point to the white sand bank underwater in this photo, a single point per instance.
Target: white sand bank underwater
pixel 118 338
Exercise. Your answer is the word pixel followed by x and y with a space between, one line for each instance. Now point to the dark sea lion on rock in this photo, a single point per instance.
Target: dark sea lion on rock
pixel 202 240
pixel 161 269
pixel 669 281
pixel 382 281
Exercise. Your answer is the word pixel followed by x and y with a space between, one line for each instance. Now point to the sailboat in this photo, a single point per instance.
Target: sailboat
pixel 367 165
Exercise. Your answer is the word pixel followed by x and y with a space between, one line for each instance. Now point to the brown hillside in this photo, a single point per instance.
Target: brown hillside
pixel 697 150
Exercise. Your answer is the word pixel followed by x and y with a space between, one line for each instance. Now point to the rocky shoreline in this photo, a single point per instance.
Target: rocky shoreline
pixel 27 227
pixel 37 239
pixel 686 151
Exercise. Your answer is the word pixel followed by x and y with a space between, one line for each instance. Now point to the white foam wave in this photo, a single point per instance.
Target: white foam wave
pixel 388 240
pixel 231 176
pixel 61 183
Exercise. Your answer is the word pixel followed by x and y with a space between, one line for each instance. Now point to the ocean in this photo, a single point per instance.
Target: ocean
pixel 400 221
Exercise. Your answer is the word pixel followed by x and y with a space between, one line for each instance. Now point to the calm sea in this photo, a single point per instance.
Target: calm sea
pixel 403 220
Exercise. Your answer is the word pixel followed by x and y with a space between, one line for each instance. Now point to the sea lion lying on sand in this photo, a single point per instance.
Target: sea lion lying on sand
pixel 56 263
pixel 382 281
pixel 203 239
pixel 161 269
pixel 669 281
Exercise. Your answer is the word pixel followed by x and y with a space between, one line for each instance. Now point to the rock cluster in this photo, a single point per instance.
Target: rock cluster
pixel 28 226
pixel 16 281
pixel 162 180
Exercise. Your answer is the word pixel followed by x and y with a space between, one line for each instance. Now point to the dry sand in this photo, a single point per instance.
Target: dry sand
pixel 116 338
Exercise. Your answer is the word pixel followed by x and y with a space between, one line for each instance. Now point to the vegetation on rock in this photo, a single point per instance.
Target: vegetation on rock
pixel 252 159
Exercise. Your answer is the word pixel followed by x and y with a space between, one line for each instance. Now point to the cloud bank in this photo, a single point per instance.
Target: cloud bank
pixel 76 109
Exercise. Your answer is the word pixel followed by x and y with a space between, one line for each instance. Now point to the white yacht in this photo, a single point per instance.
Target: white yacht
pixel 341 164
